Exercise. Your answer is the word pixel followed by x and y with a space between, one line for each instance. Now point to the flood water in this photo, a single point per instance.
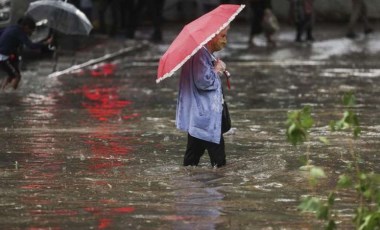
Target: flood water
pixel 98 149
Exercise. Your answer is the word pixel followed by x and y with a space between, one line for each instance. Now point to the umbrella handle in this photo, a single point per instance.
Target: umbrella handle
pixel 228 75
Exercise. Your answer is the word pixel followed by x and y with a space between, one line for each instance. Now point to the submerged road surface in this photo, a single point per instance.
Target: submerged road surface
pixel 98 148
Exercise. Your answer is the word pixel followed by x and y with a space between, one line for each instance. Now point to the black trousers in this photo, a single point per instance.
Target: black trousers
pixel 196 148
pixel 155 10
pixel 128 17
pixel 305 24
pixel 258 8
pixel 102 10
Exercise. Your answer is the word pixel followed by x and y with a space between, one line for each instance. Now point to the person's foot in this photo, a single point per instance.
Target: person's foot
pixel 298 40
pixel 271 43
pixel 5 83
pixel 351 35
pixel 310 39
pixel 368 31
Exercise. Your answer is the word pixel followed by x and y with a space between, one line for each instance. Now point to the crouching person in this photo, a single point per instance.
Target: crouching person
pixel 12 39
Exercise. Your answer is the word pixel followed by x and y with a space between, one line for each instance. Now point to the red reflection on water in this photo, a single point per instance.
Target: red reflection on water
pixel 103 70
pixel 104 103
pixel 123 210
pixel 110 211
pixel 104 223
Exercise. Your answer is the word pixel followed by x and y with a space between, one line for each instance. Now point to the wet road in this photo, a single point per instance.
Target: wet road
pixel 98 149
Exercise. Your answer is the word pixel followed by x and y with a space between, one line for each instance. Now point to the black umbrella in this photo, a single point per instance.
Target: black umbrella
pixel 61 16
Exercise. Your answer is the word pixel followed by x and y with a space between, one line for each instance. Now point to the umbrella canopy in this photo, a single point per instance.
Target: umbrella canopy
pixel 195 35
pixel 61 16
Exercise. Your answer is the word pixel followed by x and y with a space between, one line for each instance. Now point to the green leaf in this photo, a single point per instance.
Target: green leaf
pixel 317 173
pixel 331 199
pixel 331 225
pixel 344 181
pixel 367 193
pixel 357 131
pixel 323 213
pixel 371 221
pixel 310 204
pixel 324 140
pixel 349 99
pixel 298 124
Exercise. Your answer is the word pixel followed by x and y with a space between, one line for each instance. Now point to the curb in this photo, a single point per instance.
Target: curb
pixel 95 61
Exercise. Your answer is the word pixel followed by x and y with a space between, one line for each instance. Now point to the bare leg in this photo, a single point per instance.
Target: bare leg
pixel 270 40
pixel 15 81
pixel 5 83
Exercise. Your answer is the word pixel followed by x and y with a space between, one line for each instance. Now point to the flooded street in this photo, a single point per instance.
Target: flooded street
pixel 98 148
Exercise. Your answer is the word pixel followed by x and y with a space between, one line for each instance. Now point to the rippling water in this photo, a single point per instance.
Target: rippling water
pixel 98 149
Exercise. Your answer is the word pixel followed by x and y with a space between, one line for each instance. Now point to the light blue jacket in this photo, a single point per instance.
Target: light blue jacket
pixel 199 104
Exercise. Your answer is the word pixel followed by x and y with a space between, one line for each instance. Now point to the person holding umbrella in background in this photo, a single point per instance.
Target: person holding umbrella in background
pixel 11 40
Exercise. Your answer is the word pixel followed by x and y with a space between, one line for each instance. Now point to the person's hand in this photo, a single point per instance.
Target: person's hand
pixel 220 66
pixel 49 40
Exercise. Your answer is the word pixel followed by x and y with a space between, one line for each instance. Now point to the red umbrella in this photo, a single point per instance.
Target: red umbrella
pixel 195 35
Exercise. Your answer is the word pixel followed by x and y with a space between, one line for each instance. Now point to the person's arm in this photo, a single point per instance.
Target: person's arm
pixel 27 42
pixel 205 76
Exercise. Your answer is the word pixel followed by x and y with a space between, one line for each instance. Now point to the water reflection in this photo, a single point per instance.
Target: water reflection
pixel 103 103
pixel 197 201
pixel 107 147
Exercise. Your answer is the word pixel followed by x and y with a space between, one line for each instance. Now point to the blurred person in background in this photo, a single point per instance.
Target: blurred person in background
pixel 301 13
pixel 258 8
pixel 358 12
pixel 86 7
pixel 128 17
pixel 208 5
pixel 154 9
pixel 103 6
